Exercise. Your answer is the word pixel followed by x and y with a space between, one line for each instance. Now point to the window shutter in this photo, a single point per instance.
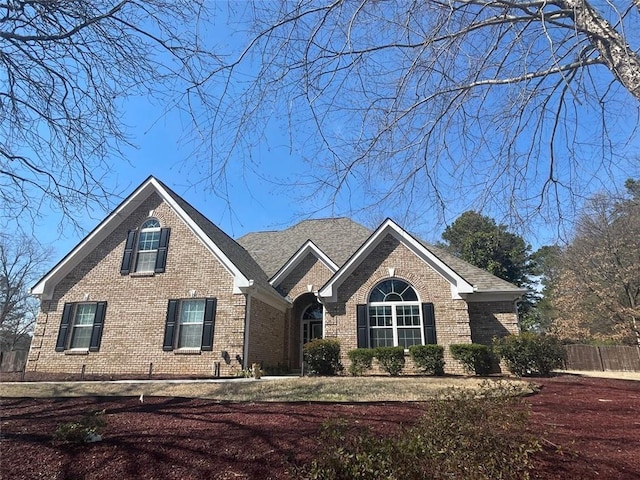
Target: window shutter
pixel 127 258
pixel 361 314
pixel 161 256
pixel 209 324
pixel 96 331
pixel 429 319
pixel 63 333
pixel 170 325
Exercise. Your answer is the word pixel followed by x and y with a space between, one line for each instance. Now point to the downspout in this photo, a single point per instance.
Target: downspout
pixel 247 317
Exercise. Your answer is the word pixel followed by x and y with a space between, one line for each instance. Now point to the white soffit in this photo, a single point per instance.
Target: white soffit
pixel 389 227
pixel 308 248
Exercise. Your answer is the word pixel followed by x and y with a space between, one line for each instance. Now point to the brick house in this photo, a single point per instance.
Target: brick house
pixel 157 286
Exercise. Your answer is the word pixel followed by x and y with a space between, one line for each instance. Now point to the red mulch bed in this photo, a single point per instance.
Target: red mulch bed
pixel 591 429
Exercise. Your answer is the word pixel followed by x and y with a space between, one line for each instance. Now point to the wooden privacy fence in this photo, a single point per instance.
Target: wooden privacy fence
pixel 13 361
pixel 617 358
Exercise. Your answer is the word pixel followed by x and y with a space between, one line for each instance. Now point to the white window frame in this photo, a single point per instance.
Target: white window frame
pixel 75 326
pixel 148 253
pixel 181 323
pixel 373 308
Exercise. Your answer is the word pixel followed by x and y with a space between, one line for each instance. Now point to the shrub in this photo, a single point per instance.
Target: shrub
pixel 475 357
pixel 87 429
pixel 391 359
pixel 530 354
pixel 323 356
pixel 464 434
pixel 361 359
pixel 428 359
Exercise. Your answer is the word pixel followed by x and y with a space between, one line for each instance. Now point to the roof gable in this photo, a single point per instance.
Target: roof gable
pixel 245 271
pixel 309 248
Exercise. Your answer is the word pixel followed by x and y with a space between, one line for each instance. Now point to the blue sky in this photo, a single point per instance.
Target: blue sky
pixel 255 199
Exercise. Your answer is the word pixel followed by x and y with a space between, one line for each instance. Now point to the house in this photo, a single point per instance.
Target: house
pixel 157 287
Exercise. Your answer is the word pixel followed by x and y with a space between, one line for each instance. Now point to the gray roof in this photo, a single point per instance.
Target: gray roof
pixel 479 278
pixel 338 238
pixel 235 252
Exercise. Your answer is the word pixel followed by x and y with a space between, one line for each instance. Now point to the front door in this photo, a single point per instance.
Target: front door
pixel 311 324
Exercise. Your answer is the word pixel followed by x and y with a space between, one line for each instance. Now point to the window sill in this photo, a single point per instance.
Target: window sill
pixel 142 274
pixel 187 351
pixel 77 351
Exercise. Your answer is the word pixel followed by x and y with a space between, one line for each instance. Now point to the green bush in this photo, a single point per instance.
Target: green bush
pixel 88 428
pixel 361 359
pixel 475 357
pixel 529 354
pixel 323 356
pixel 391 359
pixel 428 359
pixel 463 434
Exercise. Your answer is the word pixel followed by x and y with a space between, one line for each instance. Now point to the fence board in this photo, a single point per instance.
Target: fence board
pixel 583 357
pixel 13 361
pixel 620 358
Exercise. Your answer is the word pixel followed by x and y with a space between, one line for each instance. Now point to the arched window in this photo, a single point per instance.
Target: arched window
pixel 148 243
pixel 395 317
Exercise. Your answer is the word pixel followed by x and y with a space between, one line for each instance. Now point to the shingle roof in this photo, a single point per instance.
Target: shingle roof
pixel 235 252
pixel 479 278
pixel 338 238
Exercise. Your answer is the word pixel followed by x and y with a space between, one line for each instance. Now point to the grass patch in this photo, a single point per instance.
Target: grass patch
pixel 285 389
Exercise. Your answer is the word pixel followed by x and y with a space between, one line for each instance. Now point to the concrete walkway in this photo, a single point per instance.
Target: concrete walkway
pixel 607 374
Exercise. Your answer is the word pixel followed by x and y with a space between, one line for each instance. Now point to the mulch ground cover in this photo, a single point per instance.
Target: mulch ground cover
pixel 590 427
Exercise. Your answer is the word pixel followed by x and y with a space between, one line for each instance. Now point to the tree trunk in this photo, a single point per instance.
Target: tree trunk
pixel 612 47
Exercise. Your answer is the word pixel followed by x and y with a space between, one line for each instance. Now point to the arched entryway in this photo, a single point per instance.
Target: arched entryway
pixel 306 325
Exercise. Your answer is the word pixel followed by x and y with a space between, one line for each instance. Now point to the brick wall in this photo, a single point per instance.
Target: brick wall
pixel 452 315
pixel 267 335
pixel 137 305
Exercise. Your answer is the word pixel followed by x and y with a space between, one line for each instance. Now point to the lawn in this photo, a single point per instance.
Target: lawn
pixel 589 429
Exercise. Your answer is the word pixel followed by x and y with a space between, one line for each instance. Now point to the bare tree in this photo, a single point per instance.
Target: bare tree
pixel 22 261
pixel 598 291
pixel 65 69
pixel 495 103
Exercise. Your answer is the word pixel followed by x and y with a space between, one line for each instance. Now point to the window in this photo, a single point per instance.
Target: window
pixel 81 326
pixel 146 249
pixel 148 243
pixel 394 317
pixel 190 324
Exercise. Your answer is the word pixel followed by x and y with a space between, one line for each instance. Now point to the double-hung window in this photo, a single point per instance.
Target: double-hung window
pixel 145 250
pixel 395 317
pixel 190 324
pixel 81 326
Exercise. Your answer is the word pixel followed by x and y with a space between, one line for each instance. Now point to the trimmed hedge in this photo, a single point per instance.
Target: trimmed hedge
pixel 428 359
pixel 323 356
pixel 391 359
pixel 529 354
pixel 475 357
pixel 361 360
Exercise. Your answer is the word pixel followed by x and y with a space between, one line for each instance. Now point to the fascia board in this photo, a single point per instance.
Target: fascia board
pixel 459 285
pixel 294 261
pixel 45 286
pixel 497 296
pixel 238 277
pixel 251 289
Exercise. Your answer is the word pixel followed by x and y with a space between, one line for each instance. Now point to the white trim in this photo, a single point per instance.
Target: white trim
pixel 45 287
pixel 308 248
pixel 247 320
pixel 458 284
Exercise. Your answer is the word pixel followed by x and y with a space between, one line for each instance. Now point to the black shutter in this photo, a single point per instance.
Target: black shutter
pixel 209 324
pixel 361 314
pixel 161 257
pixel 170 326
pixel 127 258
pixel 429 319
pixel 96 331
pixel 65 323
